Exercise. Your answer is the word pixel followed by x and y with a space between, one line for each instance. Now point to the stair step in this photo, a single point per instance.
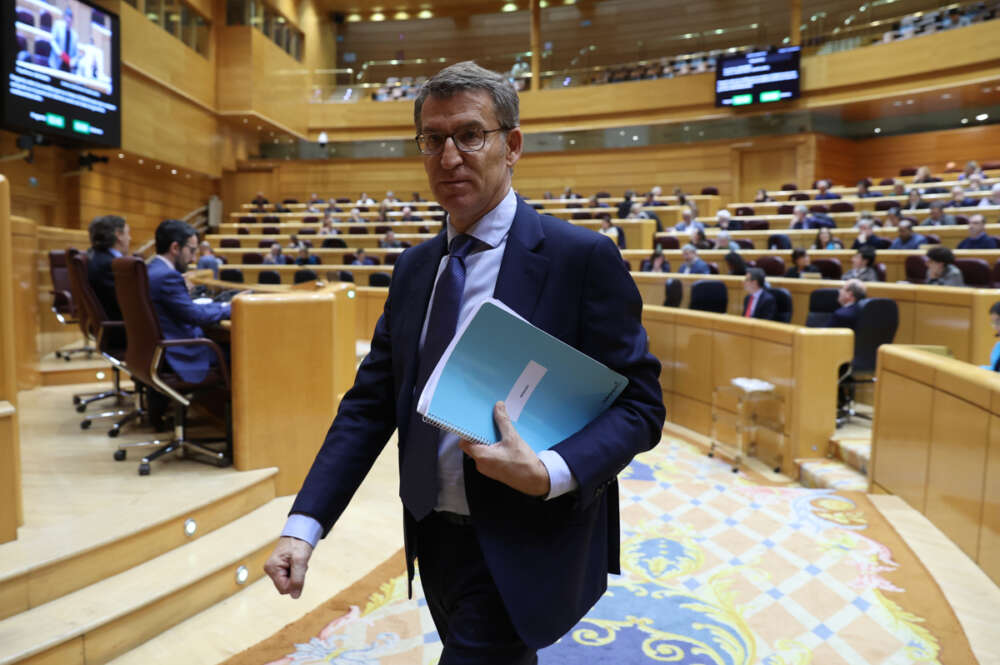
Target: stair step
pixel 855 453
pixel 46 563
pixel 105 619
pixel 825 473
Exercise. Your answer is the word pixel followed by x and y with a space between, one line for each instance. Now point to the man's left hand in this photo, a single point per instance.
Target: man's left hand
pixel 510 461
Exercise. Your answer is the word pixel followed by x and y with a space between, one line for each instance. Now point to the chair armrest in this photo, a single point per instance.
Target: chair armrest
pixel 201 341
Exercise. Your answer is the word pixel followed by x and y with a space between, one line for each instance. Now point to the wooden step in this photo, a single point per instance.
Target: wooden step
pixel 46 563
pixel 854 452
pixel 825 473
pixel 103 620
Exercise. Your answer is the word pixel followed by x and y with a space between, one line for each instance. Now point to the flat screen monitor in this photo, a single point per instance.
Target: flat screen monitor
pixel 760 77
pixel 61 73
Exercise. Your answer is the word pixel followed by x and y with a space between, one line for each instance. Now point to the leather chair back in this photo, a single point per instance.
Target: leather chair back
pixel 828 268
pixel 915 267
pixel 783 304
pixel 231 275
pixel 673 293
pixel 268 277
pixel 709 295
pixel 878 320
pixel 773 266
pixel 822 304
pixel 58 271
pixel 379 279
pixel 84 294
pixel 141 324
pixel 305 275
pixel 975 272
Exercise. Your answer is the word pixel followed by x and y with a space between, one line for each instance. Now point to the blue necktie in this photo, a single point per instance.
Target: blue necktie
pixel 418 482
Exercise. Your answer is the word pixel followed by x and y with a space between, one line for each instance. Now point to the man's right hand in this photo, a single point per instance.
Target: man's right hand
pixel 287 565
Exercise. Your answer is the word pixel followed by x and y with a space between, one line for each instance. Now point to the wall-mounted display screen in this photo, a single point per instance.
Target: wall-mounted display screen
pixel 757 78
pixel 61 71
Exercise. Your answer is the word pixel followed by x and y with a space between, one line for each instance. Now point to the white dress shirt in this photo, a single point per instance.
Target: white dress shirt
pixel 481 268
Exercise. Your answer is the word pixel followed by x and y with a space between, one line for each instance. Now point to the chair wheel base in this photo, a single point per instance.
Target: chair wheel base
pixel 119 455
pixel 113 432
pixel 85 424
pixel 80 408
pixel 76 399
pixel 144 469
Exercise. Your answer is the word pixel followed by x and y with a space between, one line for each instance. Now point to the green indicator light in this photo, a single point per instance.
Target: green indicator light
pixel 81 126
pixel 770 96
pixel 740 100
pixel 53 120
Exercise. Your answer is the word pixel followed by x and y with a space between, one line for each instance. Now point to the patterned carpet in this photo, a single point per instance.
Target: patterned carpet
pixel 717 570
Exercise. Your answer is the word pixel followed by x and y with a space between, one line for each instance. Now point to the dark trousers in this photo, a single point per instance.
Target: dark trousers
pixel 464 602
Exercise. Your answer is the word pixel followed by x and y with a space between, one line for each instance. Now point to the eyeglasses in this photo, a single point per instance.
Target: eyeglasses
pixel 469 139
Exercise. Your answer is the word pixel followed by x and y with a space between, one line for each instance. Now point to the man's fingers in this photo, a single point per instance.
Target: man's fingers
pixel 287 565
pixel 296 577
pixel 503 421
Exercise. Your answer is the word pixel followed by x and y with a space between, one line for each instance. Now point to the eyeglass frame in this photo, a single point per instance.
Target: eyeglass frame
pixel 486 135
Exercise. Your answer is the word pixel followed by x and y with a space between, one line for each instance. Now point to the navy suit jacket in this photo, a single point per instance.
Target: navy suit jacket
pixel 766 307
pixel 845 317
pixel 181 318
pixel 549 559
pixel 103 282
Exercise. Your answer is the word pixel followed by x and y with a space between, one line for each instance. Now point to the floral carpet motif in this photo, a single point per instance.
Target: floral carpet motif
pixel 716 571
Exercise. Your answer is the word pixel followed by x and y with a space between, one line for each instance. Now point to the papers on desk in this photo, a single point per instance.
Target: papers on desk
pixel 752 385
pixel 550 389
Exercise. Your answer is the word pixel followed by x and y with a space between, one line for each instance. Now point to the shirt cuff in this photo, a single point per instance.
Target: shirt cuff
pixel 304 528
pixel 561 480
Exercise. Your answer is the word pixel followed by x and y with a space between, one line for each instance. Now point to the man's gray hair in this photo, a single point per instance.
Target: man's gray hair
pixel 724 214
pixel 464 76
pixel 800 208
pixel 689 248
pixel 856 288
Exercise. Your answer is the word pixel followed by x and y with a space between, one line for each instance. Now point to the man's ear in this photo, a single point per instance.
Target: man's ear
pixel 515 144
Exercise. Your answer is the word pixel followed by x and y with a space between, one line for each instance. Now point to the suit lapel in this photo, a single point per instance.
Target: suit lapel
pixel 523 270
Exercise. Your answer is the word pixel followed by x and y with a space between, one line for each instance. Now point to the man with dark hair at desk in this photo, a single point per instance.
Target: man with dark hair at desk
pixel 941 268
pixel 109 240
pixel 758 303
pixel 863 265
pixel 361 259
pixel 514 547
pixel 863 190
pixel 800 264
pixel 907 239
pixel 207 260
pixel 179 316
pixel 389 241
pixel 977 235
pixel 260 200
pixel 938 217
pixel 850 294
pixel 305 258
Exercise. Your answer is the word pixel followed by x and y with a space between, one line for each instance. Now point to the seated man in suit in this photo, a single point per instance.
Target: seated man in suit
pixel 907 239
pixel 360 259
pixel 305 258
pixel 863 191
pixel 758 303
pixel 693 265
pixel 824 191
pixel 977 235
pixel 109 240
pixel 179 316
pixel 938 217
pixel 851 293
pixel 866 235
pixel 389 241
pixel 724 220
pixel 802 219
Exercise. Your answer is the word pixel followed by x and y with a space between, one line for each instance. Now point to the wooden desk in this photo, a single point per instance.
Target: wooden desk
pixel 950 236
pixel 957 318
pixel 700 351
pixel 936 444
pixel 11 508
pixel 288 380
pixel 783 223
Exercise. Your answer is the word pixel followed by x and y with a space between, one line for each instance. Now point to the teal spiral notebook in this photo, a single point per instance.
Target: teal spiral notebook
pixel 551 390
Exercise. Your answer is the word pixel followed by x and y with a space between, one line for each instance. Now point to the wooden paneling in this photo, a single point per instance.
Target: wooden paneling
pixel 884 157
pixel 25 253
pixel 38 190
pixel 763 167
pixel 143 196
pixel 324 330
pixel 11 510
pixel 835 160
pixel 903 432
pixel 989 533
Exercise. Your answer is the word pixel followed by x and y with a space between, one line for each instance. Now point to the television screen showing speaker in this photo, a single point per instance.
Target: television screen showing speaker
pixel 61 71
pixel 760 77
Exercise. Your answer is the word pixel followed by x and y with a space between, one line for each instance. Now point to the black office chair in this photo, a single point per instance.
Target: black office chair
pixel 345 276
pixel 673 293
pixel 334 242
pixel 379 279
pixel 822 304
pixel 878 320
pixel 63 305
pixel 779 241
pixel 709 295
pixel 783 304
pixel 231 275
pixel 304 275
pixel 268 277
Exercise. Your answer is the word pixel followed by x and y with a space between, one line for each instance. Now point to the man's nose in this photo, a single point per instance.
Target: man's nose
pixel 451 156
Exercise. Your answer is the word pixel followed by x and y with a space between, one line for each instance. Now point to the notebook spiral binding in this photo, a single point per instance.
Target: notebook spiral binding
pixel 469 436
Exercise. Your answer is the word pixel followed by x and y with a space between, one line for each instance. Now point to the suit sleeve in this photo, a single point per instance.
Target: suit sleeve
pixel 611 318
pixel 181 308
pixel 364 422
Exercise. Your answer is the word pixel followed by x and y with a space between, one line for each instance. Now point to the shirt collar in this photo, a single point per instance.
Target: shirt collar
pixel 492 227
pixel 115 253
pixel 162 258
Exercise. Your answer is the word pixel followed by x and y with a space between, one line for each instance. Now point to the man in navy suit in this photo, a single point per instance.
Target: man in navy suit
pixel 851 293
pixel 179 316
pixel 758 303
pixel 513 547
pixel 109 240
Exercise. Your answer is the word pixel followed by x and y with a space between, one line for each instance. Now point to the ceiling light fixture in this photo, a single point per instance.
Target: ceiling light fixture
pixel 982 117
pixel 509 7
pixel 425 13
pixel 353 18
pixel 401 16
pixel 378 16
